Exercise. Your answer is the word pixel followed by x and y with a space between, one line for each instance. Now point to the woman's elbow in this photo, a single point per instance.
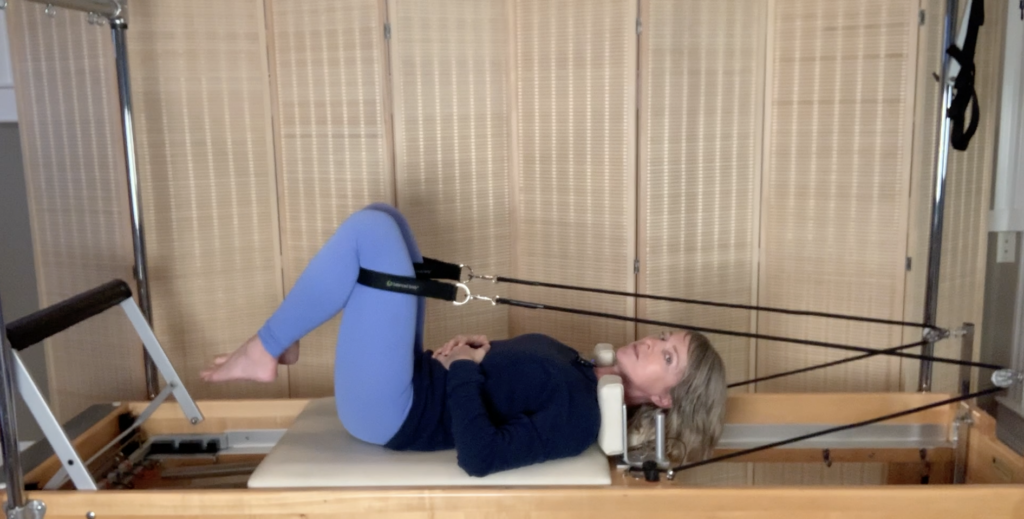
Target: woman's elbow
pixel 476 466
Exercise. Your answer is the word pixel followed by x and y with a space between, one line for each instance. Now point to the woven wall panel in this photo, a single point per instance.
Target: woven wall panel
pixel 77 188
pixel 968 191
pixel 701 104
pixel 834 214
pixel 327 66
pixel 701 120
pixel 199 82
pixel 575 189
pixel 450 74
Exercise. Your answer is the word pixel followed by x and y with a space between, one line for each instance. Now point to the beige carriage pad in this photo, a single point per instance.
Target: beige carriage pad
pixel 317 452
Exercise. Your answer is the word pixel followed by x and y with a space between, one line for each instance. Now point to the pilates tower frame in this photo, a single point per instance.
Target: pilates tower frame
pixel 995 471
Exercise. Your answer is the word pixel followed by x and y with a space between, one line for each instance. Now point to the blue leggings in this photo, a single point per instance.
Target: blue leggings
pixel 380 331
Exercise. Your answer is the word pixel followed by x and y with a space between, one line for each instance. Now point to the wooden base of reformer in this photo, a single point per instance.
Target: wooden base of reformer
pixel 994 489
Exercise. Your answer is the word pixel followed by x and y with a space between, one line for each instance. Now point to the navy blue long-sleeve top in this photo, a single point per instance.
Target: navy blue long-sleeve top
pixel 531 399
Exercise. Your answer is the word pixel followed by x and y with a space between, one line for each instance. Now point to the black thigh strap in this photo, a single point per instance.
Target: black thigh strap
pixel 407 285
pixel 435 269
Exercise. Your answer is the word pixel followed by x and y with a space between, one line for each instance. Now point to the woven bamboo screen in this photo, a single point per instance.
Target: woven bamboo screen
pixel 701 105
pixel 331 133
pixel 836 184
pixel 206 161
pixel 77 189
pixel 968 188
pixel 450 75
pixel 575 188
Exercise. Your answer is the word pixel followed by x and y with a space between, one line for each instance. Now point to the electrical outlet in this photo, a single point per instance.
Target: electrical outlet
pixel 1006 247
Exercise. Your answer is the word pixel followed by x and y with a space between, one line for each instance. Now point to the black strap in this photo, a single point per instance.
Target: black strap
pixel 965 94
pixel 435 269
pixel 407 285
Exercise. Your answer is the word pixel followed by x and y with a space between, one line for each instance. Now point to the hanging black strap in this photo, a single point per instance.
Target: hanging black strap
pixel 964 93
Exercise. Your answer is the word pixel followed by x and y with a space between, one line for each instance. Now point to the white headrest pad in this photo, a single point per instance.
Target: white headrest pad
pixel 604 354
pixel 610 397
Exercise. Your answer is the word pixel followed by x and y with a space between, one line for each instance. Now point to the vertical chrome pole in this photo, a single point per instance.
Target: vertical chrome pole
pixel 118 26
pixel 9 424
pixel 931 294
pixel 659 445
pixel 963 422
pixel 966 353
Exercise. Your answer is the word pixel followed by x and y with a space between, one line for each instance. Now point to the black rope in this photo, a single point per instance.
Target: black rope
pixel 840 428
pixel 828 364
pixel 538 306
pixel 500 279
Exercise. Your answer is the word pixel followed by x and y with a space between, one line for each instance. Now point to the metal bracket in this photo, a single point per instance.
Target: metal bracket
pixel 33 509
pixel 935 334
pixel 959 433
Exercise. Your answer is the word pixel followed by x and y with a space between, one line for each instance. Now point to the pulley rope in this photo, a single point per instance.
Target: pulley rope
pixel 840 428
pixel 502 279
pixel 539 306
pixel 828 364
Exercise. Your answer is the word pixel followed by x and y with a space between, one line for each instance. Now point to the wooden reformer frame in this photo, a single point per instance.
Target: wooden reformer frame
pixel 994 486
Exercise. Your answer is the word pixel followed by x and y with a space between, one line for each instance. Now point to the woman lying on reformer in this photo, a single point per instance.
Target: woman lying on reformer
pixel 501 404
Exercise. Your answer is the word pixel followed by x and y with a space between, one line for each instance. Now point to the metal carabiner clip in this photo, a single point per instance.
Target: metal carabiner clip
pixel 473 276
pixel 470 296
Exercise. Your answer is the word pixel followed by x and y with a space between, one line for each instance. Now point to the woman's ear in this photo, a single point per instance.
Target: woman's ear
pixel 663 401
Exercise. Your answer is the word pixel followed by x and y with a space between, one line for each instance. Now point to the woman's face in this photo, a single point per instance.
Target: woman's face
pixel 652 366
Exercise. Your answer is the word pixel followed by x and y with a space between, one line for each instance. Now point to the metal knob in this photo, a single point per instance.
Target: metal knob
pixel 1006 377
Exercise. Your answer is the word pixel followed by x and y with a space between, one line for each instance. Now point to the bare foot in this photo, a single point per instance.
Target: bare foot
pixel 290 356
pixel 249 362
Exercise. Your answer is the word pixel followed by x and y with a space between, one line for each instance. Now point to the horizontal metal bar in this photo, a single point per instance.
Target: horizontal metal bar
pixel 112 9
pixel 50 321
pixel 878 436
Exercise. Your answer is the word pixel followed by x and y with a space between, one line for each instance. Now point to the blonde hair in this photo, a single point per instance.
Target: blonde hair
pixel 693 424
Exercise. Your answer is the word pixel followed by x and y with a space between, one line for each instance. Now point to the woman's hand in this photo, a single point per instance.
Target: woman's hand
pixel 475 341
pixel 464 351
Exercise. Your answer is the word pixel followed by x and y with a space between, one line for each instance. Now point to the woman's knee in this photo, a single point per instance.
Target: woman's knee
pixel 370 220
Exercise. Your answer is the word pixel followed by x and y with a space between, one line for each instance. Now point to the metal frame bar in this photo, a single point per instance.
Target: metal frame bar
pixel 161 362
pixel 938 208
pixel 116 13
pixel 109 9
pixel 52 429
pixel 9 423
